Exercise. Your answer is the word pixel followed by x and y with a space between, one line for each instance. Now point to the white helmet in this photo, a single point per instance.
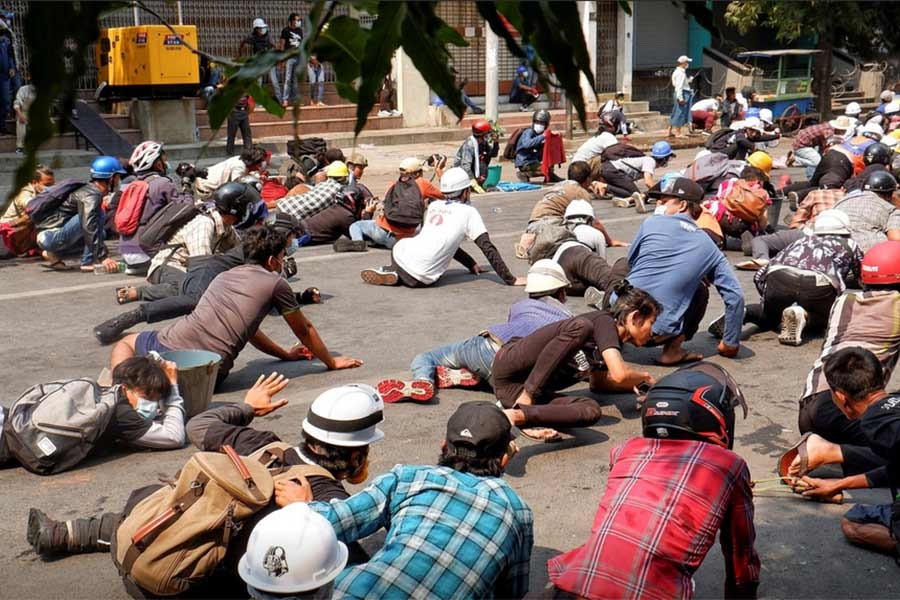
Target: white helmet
pixel 346 416
pixel 259 23
pixel 579 208
pixel 853 109
pixel 145 155
pixel 292 550
pixel 754 123
pixel 890 141
pixel 832 222
pixel 454 180
pixel 766 116
pixel 873 131
pixel 545 275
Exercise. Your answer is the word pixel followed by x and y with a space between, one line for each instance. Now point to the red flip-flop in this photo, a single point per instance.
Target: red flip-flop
pixel 798 449
pixel 395 390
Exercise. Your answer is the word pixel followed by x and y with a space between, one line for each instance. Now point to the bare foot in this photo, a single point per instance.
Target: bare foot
pixel 819 452
pixel 542 434
pixel 124 295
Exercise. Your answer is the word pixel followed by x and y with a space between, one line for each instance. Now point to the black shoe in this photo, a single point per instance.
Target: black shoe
pixel 554 178
pixel 45 536
pixel 717 327
pixel 110 331
pixel 345 245
pixel 523 177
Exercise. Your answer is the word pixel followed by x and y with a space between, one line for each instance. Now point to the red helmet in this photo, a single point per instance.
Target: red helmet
pixel 481 127
pixel 881 264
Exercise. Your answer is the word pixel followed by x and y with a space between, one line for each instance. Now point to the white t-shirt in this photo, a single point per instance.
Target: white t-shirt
pixel 592 238
pixel 595 146
pixel 635 167
pixel 708 105
pixel 428 254
pixel 680 80
pixel 219 174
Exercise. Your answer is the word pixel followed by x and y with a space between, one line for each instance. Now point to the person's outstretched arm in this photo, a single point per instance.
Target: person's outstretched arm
pixel 491 253
pixel 309 337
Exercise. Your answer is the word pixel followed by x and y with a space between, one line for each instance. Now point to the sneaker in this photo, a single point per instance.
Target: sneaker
pixel 345 245
pixel 383 113
pixel 20 151
pixel 394 390
pixel 747 243
pixel 717 327
pixel 754 264
pixel 44 535
pixel 447 378
pixel 594 297
pixel 523 177
pixel 109 331
pixel 793 200
pixel 379 276
pixel 623 202
pixel 397 113
pixel 639 204
pixel 793 321
pixel 524 108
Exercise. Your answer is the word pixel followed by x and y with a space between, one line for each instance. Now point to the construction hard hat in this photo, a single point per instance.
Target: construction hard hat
pixel 521 69
pixel 754 123
pixel 761 161
pixel 545 275
pixel 337 169
pixel 853 109
pixel 541 116
pixel 873 131
pixel 145 154
pixel 891 142
pixel 892 108
pixel 104 167
pixel 411 164
pixel 766 116
pixel 454 180
pixel 661 149
pixel 880 182
pixel 292 550
pixel 358 160
pixel 579 208
pixel 887 95
pixel 259 23
pixel 347 415
pixel 481 126
pixel 881 264
pixel 832 222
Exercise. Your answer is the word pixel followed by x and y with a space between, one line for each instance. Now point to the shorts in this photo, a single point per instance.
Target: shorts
pixel 147 342
pixel 878 514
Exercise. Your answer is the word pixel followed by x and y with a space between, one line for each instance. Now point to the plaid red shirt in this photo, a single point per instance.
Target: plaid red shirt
pixel 815 202
pixel 664 502
pixel 814 136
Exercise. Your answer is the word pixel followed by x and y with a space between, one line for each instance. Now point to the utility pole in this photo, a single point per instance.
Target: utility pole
pixel 491 79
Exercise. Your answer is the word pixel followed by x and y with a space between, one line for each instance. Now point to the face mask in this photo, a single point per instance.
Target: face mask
pixel 660 210
pixel 539 127
pixel 148 409
pixel 295 244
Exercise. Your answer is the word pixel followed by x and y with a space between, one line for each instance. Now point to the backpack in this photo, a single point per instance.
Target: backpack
pixel 620 151
pixel 43 205
pixel 54 426
pixel 746 201
pixel 131 207
pixel 211 496
pixel 548 237
pixel 719 140
pixel 164 223
pixel 509 153
pixel 314 146
pixel 403 203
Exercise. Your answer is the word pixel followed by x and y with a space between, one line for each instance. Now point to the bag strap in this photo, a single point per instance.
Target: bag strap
pixel 242 470
pixel 304 471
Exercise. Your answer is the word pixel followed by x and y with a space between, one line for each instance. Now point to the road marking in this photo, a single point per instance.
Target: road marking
pixel 308 259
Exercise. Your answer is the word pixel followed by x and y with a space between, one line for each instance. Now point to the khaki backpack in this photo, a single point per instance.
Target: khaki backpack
pixel 212 494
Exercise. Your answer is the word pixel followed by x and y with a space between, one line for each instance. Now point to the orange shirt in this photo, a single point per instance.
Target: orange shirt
pixel 429 192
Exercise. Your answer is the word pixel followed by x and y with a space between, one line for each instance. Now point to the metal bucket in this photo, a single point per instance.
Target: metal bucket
pixel 197 371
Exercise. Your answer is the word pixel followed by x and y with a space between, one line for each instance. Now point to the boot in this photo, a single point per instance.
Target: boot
pixel 46 536
pixel 78 536
pixel 109 331
pixel 345 245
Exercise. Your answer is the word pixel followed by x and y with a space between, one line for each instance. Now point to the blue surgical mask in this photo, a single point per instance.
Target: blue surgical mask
pixel 660 210
pixel 148 409
pixel 295 245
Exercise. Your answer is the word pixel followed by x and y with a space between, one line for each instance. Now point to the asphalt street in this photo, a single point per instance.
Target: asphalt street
pixel 47 321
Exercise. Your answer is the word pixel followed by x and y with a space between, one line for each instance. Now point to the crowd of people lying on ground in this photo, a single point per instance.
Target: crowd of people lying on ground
pixel 218 247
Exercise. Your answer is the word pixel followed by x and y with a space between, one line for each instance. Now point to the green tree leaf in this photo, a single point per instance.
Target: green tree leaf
pixel 342 44
pixel 381 44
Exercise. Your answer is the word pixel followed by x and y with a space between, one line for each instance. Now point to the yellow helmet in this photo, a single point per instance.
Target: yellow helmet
pixel 337 169
pixel 761 161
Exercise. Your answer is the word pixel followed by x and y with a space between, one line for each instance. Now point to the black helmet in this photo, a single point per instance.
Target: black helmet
pixel 235 198
pixel 880 182
pixel 283 222
pixel 541 116
pixel 878 153
pixel 693 403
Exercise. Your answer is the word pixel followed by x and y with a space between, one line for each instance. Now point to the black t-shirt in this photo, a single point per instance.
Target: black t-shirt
pixel 126 424
pixel 329 225
pixel 292 37
pixel 881 426
pixel 833 170
pixel 259 43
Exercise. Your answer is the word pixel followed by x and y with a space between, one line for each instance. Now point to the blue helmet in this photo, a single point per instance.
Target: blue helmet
pixel 661 149
pixel 521 69
pixel 104 167
pixel 753 111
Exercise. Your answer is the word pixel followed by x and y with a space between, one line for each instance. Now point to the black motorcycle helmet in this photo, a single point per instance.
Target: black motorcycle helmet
pixel 695 402
pixel 880 182
pixel 541 116
pixel 284 222
pixel 879 154
pixel 235 198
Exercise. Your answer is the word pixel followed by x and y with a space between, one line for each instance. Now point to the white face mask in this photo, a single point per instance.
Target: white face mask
pixel 660 209
pixel 148 409
pixel 539 127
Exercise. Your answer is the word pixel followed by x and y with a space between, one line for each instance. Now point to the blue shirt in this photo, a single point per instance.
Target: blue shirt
pixel 529 315
pixel 669 258
pixel 529 148
pixel 450 535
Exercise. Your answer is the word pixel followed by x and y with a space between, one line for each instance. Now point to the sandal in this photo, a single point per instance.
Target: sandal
pixel 798 449
pixel 541 434
pixel 58 266
pixel 126 294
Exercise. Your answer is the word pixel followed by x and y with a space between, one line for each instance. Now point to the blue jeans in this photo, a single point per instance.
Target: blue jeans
pixel 290 83
pixel 316 91
pixel 273 79
pixel 475 354
pixel 65 239
pixel 361 230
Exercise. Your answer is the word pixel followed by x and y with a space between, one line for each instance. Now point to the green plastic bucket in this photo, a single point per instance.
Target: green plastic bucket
pixel 493 176
pixel 197 371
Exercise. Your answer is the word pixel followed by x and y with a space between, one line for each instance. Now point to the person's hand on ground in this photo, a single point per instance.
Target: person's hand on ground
pixel 110 265
pixel 345 362
pixel 818 488
pixel 727 351
pixel 618 244
pixel 259 397
pixel 476 270
pixel 171 371
pixel 598 187
pixel 293 490
pixel 299 352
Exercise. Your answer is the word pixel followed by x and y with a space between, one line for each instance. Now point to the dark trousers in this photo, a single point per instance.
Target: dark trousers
pixel 617 183
pixel 695 312
pixel 831 173
pixel 165 282
pixel 819 414
pixel 784 288
pixel 404 278
pixel 584 268
pixel 535 363
pixel 193 284
pixel 238 119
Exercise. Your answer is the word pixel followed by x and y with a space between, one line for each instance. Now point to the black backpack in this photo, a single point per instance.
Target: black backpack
pixel 620 151
pixel 314 146
pixel 43 205
pixel 403 203
pixel 164 223
pixel 718 141
pixel 509 153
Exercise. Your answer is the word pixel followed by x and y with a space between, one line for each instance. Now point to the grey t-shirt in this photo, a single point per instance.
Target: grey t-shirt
pixel 230 311
pixel 870 218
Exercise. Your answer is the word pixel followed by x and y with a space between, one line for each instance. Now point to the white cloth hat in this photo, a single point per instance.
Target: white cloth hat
pixel 684 58
pixel 843 123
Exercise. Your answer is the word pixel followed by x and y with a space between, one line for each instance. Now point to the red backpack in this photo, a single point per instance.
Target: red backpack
pixel 131 207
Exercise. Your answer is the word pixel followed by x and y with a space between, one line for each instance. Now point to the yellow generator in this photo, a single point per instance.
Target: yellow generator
pixel 147 61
